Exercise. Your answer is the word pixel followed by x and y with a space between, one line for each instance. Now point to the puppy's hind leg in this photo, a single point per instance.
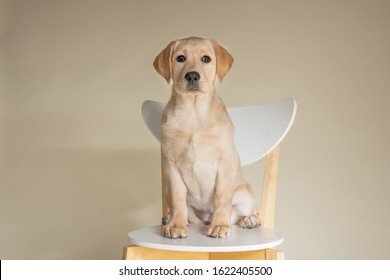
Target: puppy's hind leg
pixel 251 221
pixel 244 207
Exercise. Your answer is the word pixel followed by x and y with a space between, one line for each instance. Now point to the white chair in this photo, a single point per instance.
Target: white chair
pixel 259 130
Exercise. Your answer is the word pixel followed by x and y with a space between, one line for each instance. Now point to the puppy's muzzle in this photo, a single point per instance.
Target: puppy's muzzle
pixel 192 79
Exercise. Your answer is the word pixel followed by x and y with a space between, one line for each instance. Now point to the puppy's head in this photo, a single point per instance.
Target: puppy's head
pixel 193 64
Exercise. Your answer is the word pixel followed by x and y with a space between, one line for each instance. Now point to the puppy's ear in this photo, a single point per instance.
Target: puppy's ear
pixel 224 60
pixel 163 64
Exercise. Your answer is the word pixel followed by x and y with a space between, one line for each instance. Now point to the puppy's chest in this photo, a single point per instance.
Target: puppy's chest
pixel 196 152
pixel 199 145
pixel 198 165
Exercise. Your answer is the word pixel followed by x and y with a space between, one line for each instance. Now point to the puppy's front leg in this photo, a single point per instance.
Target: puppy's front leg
pixel 221 223
pixel 175 225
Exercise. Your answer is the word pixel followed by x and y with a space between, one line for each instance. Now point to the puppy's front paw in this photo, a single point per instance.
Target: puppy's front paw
pixel 174 231
pixel 251 221
pixel 219 231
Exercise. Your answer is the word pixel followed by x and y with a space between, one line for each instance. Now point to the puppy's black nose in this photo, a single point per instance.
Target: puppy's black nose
pixel 192 77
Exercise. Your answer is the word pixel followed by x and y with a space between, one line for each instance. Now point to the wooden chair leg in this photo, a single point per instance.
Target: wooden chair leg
pixel 267 254
pixel 273 254
pixel 246 255
pixel 142 253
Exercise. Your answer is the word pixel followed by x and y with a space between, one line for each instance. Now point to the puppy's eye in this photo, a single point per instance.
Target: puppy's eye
pixel 206 59
pixel 181 58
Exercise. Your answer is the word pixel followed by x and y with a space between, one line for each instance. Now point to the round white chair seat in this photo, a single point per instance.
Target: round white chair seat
pixel 198 241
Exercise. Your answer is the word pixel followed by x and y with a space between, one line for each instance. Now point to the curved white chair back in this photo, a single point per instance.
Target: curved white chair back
pixel 258 128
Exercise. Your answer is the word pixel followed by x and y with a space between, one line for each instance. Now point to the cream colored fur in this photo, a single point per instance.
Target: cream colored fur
pixel 200 162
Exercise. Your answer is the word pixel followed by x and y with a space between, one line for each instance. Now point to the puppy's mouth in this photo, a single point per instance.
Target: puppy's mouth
pixel 186 88
pixel 192 88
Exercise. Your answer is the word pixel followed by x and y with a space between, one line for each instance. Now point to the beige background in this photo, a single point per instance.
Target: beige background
pixel 79 169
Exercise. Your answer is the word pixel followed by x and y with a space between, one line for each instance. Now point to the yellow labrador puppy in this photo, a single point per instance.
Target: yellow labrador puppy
pixel 199 159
